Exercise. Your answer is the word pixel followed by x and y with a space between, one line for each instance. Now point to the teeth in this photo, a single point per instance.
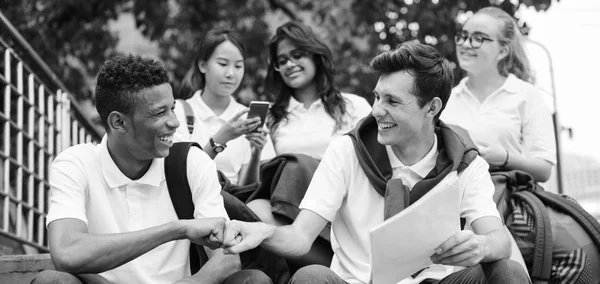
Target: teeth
pixel 166 138
pixel 386 125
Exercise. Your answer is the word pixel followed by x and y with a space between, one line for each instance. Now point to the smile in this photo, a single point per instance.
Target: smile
pixel 385 125
pixel 166 138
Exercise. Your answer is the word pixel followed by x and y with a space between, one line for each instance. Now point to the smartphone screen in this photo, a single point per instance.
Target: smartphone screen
pixel 260 109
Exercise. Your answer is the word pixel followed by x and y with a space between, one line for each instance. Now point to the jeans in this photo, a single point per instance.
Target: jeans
pixel 502 271
pixel 246 276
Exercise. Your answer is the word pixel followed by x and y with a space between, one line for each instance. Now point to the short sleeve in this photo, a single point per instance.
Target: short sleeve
pixel 538 128
pixel 329 184
pixel 206 190
pixel 68 183
pixel 478 192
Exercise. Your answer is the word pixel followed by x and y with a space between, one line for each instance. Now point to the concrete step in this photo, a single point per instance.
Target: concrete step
pixel 20 269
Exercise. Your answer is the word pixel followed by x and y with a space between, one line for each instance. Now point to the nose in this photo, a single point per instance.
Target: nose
pixel 377 111
pixel 229 73
pixel 173 122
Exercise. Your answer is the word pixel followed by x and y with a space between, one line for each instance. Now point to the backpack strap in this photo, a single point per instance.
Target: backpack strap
pixel 587 221
pixel 189 115
pixel 542 258
pixel 180 191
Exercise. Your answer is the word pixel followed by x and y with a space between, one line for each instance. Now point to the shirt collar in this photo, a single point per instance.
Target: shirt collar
pixel 422 167
pixel 115 178
pixel 293 104
pixel 511 85
pixel 205 112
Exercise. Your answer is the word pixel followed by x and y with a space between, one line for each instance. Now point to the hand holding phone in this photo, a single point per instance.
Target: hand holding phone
pixel 260 109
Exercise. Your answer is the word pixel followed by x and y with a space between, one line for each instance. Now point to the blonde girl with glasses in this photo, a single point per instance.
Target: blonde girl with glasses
pixel 504 113
pixel 218 123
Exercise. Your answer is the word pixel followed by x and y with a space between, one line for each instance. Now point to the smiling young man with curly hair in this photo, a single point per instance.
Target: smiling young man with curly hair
pixel 111 219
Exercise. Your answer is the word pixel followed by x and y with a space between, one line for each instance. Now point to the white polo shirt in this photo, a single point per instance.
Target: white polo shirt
pixel 341 193
pixel 514 117
pixel 207 123
pixel 87 185
pixel 310 130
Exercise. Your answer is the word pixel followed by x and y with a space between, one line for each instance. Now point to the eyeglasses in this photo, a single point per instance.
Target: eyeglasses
pixel 294 56
pixel 476 40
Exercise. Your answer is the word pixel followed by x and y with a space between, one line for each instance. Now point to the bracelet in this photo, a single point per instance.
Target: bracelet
pixel 506 161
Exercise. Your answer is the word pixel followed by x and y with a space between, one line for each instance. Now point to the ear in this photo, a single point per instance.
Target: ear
pixel 202 66
pixel 117 121
pixel 504 51
pixel 434 107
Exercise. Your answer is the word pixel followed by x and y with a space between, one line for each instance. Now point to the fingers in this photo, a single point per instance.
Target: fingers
pixel 231 235
pixel 239 114
pixel 257 139
pixel 463 247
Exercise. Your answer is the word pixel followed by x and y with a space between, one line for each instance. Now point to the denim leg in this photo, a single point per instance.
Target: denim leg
pixel 317 274
pixel 55 277
pixel 497 272
pixel 248 276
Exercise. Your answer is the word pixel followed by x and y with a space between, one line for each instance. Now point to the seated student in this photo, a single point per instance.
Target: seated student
pixel 220 121
pixel 503 112
pixel 405 140
pixel 309 110
pixel 111 219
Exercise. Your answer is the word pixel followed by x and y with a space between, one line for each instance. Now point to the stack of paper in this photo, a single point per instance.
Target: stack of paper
pixel 403 244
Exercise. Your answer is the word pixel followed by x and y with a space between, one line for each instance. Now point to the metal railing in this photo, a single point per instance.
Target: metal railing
pixel 38 119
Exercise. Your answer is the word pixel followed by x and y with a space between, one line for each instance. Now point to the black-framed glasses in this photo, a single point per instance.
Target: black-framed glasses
pixel 476 40
pixel 294 56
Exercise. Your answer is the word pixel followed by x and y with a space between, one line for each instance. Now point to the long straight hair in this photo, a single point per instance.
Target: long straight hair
pixel 195 80
pixel 304 38
pixel 516 62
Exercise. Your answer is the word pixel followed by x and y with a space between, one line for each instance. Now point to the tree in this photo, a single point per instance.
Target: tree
pixel 73 36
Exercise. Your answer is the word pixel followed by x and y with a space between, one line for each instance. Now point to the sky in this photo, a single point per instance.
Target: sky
pixel 570 30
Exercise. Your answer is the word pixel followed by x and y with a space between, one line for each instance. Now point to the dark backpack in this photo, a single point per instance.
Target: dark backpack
pixel 181 197
pixel 559 240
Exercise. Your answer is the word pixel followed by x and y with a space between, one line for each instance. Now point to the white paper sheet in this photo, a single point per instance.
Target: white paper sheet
pixel 402 244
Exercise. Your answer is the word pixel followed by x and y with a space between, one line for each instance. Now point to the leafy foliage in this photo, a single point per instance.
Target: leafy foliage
pixel 73 36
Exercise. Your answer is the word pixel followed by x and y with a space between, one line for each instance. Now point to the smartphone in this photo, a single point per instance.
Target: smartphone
pixel 260 109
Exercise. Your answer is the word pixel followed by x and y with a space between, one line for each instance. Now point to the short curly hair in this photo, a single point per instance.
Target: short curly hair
pixel 120 80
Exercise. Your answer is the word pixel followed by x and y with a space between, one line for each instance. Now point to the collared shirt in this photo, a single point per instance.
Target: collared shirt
pixel 514 117
pixel 410 175
pixel 341 193
pixel 207 123
pixel 87 185
pixel 310 130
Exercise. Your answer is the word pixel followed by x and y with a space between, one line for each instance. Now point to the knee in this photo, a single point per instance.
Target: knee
pixel 55 277
pixel 248 276
pixel 505 271
pixel 314 274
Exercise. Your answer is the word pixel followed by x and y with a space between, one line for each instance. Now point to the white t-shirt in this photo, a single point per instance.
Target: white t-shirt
pixel 207 123
pixel 341 193
pixel 309 131
pixel 87 185
pixel 515 117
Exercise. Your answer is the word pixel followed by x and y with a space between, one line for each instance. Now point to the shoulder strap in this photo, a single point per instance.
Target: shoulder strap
pixel 587 221
pixel 177 181
pixel 180 191
pixel 189 115
pixel 542 251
